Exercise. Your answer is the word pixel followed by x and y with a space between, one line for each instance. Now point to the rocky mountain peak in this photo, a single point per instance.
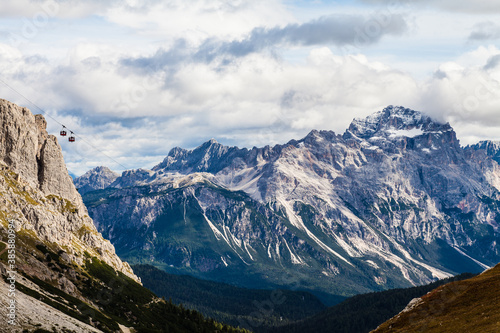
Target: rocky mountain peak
pixel 132 177
pixel 210 147
pixel 492 148
pixel 211 157
pixel 397 128
pixel 103 169
pixel 316 136
pixel 211 142
pixel 395 121
pixel 96 179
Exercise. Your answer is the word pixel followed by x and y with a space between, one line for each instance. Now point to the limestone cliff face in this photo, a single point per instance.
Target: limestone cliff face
pixel 37 192
pixel 20 142
pixel 28 150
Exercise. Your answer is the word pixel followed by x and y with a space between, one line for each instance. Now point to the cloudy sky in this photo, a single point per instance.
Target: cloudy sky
pixel 134 79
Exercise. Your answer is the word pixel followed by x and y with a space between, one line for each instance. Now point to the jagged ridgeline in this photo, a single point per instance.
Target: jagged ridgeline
pixel 395 201
pixel 68 278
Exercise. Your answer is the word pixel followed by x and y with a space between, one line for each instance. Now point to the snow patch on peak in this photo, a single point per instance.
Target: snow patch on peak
pixel 409 133
pixel 390 121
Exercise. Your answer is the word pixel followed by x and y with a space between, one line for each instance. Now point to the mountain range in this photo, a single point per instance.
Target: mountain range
pixel 395 201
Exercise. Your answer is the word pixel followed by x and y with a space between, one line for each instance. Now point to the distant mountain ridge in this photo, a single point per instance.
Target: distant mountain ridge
pixel 492 148
pixel 393 202
pixel 95 179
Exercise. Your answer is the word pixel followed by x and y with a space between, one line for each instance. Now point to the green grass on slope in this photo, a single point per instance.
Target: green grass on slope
pixel 463 306
pixel 121 296
pixel 112 298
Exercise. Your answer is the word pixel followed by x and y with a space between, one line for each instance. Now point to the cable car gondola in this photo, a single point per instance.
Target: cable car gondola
pixel 63 131
pixel 71 137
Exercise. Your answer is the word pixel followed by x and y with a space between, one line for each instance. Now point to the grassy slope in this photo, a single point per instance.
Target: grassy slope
pixel 110 297
pixel 465 306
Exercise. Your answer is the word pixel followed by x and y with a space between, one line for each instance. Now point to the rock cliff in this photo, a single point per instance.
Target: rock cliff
pixel 58 273
pixel 38 193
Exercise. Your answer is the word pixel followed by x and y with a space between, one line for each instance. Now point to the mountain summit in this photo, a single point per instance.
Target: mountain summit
pixel 209 157
pixel 406 128
pixel 393 119
pixel 95 179
pixel 394 201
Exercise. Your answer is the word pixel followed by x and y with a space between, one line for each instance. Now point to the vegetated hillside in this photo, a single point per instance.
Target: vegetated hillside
pixel 363 313
pixel 393 202
pixel 68 278
pixel 106 299
pixel 253 309
pixel 465 306
pixel 99 296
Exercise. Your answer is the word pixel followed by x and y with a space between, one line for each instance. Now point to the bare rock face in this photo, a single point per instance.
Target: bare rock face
pixel 52 173
pixel 28 150
pixel 20 141
pixel 95 179
pixel 37 192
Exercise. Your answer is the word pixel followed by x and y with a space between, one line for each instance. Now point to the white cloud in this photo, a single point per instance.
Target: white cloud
pixel 201 19
pixel 465 6
pixel 9 53
pixel 485 31
pixel 128 77
pixel 466 93
pixel 38 9
pixel 253 101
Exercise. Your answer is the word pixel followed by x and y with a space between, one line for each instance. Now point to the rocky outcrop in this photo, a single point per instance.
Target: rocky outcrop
pixel 95 179
pixel 20 145
pixel 37 192
pixel 492 148
pixel 53 176
pixel 28 150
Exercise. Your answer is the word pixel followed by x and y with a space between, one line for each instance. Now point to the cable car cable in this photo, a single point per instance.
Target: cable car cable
pixel 54 119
